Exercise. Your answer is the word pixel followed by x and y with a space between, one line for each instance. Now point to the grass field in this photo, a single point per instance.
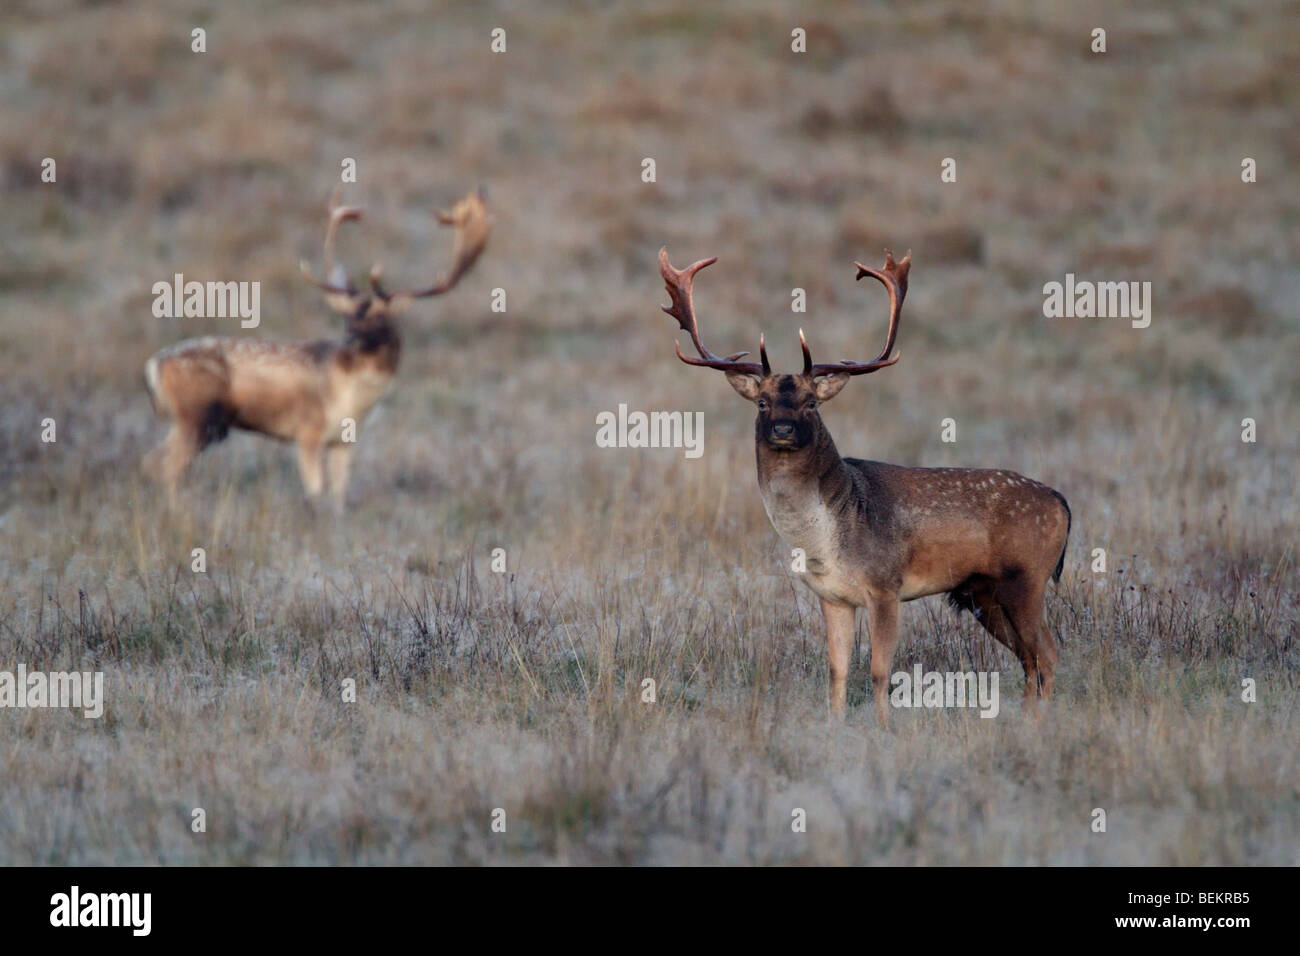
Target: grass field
pixel 523 691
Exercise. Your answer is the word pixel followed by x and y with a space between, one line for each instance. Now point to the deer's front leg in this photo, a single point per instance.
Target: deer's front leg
pixel 339 462
pixel 839 645
pixel 311 467
pixel 882 620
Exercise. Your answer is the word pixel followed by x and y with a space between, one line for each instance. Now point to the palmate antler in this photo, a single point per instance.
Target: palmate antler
pixel 473 225
pixel 893 276
pixel 680 283
pixel 340 294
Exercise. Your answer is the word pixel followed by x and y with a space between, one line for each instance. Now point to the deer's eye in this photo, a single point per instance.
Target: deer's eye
pixel 812 403
pixel 762 404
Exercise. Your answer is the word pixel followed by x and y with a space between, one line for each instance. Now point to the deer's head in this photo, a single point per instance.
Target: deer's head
pixel 788 416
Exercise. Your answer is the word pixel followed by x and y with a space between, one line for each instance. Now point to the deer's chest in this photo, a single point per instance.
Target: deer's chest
pixel 354 392
pixel 803 521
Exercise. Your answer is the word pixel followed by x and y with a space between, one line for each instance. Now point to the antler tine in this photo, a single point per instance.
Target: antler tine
pixel 342 296
pixel 473 224
pixel 893 276
pixel 680 284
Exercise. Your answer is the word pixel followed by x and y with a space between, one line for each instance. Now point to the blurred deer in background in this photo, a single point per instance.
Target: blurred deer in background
pixel 874 534
pixel 315 394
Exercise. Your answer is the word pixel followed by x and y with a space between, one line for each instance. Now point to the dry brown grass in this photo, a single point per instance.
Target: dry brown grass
pixel 480 691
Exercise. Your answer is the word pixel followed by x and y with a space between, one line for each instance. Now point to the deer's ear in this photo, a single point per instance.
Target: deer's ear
pixel 746 386
pixel 828 386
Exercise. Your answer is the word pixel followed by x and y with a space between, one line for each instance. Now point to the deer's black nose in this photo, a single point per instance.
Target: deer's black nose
pixel 782 430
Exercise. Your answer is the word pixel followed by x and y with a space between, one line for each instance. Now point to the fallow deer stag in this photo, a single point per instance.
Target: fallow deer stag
pixel 316 394
pixel 875 534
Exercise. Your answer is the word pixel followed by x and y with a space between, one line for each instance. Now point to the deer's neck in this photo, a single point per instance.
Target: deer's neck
pixel 360 371
pixel 380 343
pixel 803 492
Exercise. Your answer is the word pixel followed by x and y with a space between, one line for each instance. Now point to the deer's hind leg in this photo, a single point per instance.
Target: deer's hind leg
pixel 190 391
pixel 168 462
pixel 1021 600
pixel 987 604
pixel 1025 608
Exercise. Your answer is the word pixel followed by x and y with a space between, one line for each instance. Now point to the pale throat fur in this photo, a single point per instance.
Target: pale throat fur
pixel 808 496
